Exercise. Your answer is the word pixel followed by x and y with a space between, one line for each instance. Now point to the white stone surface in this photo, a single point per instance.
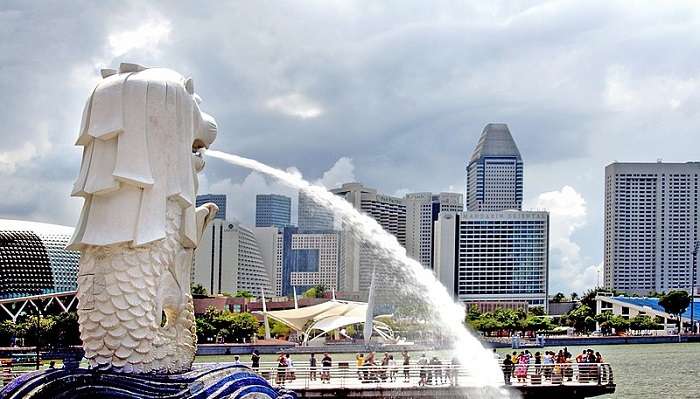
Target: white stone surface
pixel 139 225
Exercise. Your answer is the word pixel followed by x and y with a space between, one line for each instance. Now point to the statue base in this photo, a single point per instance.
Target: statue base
pixel 210 382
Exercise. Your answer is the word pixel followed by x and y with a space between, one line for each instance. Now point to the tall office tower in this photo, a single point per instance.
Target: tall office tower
pixel 495 172
pixel 228 259
pixel 359 257
pixel 273 210
pixel 422 211
pixel 218 199
pixel 494 258
pixel 651 224
pixel 306 259
pixel 312 216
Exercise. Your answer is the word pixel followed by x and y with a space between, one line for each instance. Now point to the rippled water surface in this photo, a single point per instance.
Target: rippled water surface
pixel 641 371
pixel 652 371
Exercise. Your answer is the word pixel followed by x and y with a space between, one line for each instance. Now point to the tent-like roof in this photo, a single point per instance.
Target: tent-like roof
pixel 331 313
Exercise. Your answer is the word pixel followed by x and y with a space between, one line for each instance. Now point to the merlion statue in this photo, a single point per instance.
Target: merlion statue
pixel 141 133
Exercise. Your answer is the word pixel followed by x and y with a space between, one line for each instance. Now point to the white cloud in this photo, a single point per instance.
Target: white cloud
pixel 296 105
pixel 146 36
pixel 241 196
pixel 9 160
pixel 343 171
pixel 626 92
pixel 569 270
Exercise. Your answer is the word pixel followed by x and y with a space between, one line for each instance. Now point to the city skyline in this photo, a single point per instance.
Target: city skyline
pixel 346 102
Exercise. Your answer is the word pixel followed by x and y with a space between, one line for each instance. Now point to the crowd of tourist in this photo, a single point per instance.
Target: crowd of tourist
pixel 520 367
pixel 550 366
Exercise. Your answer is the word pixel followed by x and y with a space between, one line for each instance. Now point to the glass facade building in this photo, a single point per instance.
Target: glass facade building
pixel 218 199
pixel 273 210
pixel 494 256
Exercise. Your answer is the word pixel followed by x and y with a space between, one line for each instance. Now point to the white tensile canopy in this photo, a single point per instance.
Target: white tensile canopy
pixel 326 317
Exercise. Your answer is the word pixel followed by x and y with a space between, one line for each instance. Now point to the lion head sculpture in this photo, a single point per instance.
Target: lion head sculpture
pixel 141 131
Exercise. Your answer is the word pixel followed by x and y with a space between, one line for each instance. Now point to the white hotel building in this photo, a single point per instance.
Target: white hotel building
pixel 495 257
pixel 651 225
pixel 422 210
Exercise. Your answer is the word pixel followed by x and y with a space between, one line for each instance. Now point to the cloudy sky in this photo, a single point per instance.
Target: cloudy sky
pixel 392 94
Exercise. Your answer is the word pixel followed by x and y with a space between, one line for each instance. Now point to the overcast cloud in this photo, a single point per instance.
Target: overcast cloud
pixel 393 94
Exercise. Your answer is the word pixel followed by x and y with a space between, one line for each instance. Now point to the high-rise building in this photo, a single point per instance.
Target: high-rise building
pixel 494 257
pixel 305 260
pixel 218 199
pixel 34 259
pixel 495 172
pixel 422 211
pixel 651 224
pixel 312 216
pixel 228 259
pixel 359 258
pixel 273 210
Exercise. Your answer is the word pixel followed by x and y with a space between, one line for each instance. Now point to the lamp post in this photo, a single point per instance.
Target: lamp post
pixel 692 286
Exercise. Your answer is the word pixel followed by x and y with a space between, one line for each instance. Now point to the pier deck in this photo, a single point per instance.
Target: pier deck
pixel 569 381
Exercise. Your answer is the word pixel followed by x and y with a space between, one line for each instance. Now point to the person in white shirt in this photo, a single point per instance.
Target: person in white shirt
pixel 237 361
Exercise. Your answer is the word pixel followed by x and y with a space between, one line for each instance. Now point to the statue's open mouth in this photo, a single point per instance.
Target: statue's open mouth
pixel 198 148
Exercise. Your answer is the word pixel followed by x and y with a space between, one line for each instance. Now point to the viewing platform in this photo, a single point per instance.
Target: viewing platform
pixel 558 381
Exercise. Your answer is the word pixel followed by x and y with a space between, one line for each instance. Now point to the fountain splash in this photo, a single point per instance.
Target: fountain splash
pixel 485 371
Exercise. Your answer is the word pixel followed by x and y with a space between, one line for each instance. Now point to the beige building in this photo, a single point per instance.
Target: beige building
pixel 651 224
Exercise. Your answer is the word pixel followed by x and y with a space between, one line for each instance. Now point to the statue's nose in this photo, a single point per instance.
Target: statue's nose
pixel 206 134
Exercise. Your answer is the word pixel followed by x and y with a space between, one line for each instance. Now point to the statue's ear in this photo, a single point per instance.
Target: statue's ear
pixel 107 72
pixel 189 85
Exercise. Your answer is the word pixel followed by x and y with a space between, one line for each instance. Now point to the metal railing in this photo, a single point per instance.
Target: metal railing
pixel 377 376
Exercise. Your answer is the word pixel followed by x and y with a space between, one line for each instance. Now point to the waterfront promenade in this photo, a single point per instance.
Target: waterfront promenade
pixel 347 381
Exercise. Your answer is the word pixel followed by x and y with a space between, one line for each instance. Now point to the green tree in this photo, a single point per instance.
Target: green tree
pixel 537 311
pixel 64 330
pixel 536 323
pixel 574 296
pixel 198 290
pixel 578 318
pixel 8 330
pixel 619 323
pixel 644 323
pixel 236 327
pixel 278 329
pixel 243 294
pixel 675 303
pixel 317 291
pixel 558 297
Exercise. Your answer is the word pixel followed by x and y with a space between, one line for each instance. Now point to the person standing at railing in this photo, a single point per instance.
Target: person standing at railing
pixel 312 367
pixel 255 360
pixel 326 364
pixel 383 371
pixel 392 369
pixel 548 364
pixel 423 365
pixel 521 369
pixel 291 372
pixel 359 362
pixel 406 366
pixel 281 369
pixel 507 369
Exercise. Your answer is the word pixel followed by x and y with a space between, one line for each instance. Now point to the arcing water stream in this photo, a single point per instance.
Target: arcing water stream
pixel 417 281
